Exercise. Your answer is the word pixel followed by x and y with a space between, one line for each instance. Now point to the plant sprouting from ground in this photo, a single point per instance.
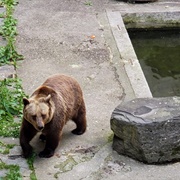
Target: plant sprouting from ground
pixel 11 106
pixel 4 148
pixel 30 162
pixel 8 53
pixel 88 3
pixel 13 171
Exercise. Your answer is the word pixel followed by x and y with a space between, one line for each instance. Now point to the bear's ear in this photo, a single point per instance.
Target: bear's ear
pixel 47 98
pixel 25 101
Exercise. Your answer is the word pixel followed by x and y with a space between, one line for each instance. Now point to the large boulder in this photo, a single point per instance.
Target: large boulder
pixel 148 129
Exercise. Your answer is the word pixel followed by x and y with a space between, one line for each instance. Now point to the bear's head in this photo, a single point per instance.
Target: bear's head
pixel 38 111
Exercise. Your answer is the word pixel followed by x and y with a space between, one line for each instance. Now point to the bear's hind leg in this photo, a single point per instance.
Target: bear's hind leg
pixel 80 120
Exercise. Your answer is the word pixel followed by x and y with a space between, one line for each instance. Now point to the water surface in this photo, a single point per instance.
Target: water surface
pixel 159 56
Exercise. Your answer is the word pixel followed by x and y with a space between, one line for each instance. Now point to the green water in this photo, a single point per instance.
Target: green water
pixel 159 56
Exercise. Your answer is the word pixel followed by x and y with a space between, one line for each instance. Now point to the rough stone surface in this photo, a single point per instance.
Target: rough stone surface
pixel 1 21
pixel 133 1
pixel 2 10
pixel 7 71
pixel 148 129
pixel 162 14
pixel 2 40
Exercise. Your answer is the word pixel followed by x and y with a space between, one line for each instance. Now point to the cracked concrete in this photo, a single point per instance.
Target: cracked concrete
pixel 73 38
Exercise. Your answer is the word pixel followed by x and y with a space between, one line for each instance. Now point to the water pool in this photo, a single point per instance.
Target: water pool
pixel 159 55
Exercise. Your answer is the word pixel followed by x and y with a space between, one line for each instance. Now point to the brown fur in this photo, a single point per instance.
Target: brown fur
pixel 48 109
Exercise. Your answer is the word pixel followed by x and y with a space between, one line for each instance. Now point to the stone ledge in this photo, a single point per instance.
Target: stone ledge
pixel 128 57
pixel 148 129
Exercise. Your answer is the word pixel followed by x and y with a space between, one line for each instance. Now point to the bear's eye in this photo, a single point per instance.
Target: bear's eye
pixel 44 116
pixel 34 117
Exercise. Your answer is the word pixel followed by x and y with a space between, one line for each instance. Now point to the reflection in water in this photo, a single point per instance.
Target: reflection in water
pixel 159 56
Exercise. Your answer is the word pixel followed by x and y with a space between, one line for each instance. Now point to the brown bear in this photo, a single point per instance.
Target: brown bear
pixel 57 100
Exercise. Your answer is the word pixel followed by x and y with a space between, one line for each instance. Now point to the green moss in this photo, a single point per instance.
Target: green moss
pixel 67 165
pixel 150 21
pixel 74 157
pixel 130 19
pixel 110 137
pixel 175 151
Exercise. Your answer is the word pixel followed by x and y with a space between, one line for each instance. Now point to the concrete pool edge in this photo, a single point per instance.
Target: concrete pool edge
pixel 127 56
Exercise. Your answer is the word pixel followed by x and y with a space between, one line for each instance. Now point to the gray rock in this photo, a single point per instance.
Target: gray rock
pixel 148 129
pixel 3 41
pixel 7 71
pixel 2 10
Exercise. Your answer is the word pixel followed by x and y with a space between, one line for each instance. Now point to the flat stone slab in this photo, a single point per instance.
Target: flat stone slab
pixel 7 71
pixel 148 129
pixel 2 41
pixel 2 10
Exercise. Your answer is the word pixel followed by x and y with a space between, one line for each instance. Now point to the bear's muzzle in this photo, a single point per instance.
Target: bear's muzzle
pixel 40 125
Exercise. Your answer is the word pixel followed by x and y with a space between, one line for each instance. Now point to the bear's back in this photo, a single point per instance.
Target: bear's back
pixel 63 84
pixel 67 88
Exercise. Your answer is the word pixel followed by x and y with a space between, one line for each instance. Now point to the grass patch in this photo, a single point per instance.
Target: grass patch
pixel 11 94
pixel 30 162
pixel 13 172
pixel 4 148
pixel 8 53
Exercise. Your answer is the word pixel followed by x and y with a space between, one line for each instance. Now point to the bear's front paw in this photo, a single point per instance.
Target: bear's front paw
pixel 46 153
pixel 28 153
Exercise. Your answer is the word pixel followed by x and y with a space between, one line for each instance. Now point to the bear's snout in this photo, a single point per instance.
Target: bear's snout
pixel 40 125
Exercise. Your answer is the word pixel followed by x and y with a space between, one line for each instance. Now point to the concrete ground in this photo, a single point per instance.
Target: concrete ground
pixel 75 38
